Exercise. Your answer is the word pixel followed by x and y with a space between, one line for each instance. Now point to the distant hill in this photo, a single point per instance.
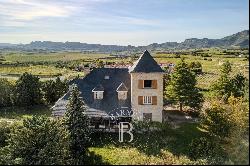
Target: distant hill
pixel 240 40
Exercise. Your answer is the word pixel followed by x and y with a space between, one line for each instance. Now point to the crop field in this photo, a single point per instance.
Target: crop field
pixel 47 69
pixel 51 57
pixel 211 67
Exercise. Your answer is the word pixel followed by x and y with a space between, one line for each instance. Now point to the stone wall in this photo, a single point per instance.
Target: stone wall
pixel 156 110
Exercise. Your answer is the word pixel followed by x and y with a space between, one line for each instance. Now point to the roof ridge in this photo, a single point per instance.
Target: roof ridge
pixel 122 87
pixel 145 64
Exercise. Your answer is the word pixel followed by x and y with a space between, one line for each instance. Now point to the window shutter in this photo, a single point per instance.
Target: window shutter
pixel 154 100
pixel 140 84
pixel 140 100
pixel 154 84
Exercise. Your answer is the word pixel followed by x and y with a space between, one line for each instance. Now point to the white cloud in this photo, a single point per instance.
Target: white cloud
pixel 27 10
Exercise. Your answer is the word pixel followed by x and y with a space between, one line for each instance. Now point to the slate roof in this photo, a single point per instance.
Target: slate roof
pixel 122 87
pixel 110 103
pixel 99 87
pixel 145 64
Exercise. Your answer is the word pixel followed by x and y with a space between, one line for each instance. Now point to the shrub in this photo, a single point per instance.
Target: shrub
pixel 6 95
pixel 4 131
pixel 38 141
pixel 206 148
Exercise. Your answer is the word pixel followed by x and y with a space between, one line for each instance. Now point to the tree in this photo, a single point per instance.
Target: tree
pixel 238 85
pixel 28 90
pixel 49 91
pixel 61 87
pixel 99 64
pixel 39 141
pixel 182 87
pixel 77 124
pixel 6 95
pixel 226 86
pixel 227 124
pixel 196 67
pixel 226 68
pixel 53 90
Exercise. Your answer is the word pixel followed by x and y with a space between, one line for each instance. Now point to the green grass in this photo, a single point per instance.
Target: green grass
pixel 52 57
pixel 166 146
pixel 44 72
pixel 18 113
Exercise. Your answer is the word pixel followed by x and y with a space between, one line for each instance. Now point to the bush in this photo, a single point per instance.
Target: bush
pixel 6 95
pixel 206 148
pixel 4 131
pixel 38 141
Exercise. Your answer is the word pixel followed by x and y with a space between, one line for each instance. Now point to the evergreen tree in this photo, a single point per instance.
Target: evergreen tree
pixel 182 87
pixel 77 124
pixel 61 87
pixel 28 90
pixel 49 91
pixel 38 141
pixel 53 90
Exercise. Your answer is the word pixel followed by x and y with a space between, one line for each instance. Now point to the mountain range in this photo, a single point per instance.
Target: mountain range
pixel 238 40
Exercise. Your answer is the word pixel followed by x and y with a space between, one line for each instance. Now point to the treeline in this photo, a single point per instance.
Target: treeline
pixel 28 90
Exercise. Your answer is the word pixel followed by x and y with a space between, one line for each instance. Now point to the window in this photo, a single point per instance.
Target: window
pixel 98 95
pixel 106 77
pixel 147 99
pixel 147 83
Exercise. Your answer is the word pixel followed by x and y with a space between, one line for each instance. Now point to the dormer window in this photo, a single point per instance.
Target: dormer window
pixel 98 92
pixel 122 91
pixel 98 95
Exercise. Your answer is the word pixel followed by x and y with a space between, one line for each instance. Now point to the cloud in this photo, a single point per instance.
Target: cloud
pixel 27 10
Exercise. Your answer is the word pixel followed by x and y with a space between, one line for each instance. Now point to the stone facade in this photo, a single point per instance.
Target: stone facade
pixel 137 92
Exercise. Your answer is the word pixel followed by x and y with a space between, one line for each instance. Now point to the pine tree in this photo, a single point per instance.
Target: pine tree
pixel 182 87
pixel 77 124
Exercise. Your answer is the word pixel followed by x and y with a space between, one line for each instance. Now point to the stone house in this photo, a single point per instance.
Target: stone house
pixel 112 94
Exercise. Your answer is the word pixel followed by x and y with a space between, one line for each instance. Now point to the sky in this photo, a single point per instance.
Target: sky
pixel 120 22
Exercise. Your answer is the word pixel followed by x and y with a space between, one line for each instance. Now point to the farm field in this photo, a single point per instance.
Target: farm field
pixel 47 64
pixel 44 72
pixel 51 57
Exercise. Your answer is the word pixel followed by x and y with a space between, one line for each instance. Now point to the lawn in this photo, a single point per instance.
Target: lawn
pixel 164 146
